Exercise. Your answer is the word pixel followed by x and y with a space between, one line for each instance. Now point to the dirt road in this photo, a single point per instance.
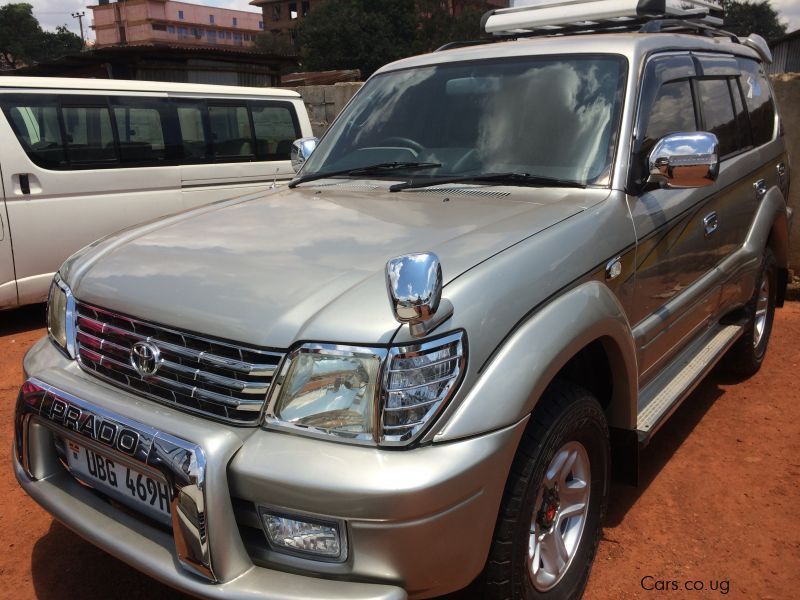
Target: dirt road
pixel 716 513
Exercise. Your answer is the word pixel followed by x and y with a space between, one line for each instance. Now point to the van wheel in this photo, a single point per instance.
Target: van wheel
pixel 747 354
pixel 555 500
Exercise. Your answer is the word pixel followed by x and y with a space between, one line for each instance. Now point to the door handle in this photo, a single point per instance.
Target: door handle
pixel 710 223
pixel 760 189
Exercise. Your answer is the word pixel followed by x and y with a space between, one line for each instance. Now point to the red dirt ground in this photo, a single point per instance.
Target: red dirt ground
pixel 717 506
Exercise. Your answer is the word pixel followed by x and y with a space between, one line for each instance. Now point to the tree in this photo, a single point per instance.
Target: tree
pixel 19 33
pixel 22 40
pixel 744 18
pixel 356 34
pixel 366 34
pixel 276 43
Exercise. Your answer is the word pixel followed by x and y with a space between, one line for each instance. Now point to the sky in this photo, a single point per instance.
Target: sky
pixel 57 12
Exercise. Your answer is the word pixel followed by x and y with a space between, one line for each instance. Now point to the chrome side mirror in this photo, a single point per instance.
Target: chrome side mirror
pixel 414 282
pixel 301 150
pixel 684 160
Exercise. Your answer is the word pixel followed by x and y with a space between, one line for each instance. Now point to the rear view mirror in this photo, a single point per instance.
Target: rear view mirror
pixel 684 160
pixel 301 150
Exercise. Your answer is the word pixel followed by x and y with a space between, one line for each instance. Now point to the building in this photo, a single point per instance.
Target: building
pixel 137 22
pixel 785 54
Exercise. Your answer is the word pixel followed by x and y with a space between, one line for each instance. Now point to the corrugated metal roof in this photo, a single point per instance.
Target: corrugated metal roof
pixel 785 54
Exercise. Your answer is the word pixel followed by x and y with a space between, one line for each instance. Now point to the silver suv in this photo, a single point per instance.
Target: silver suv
pixel 500 271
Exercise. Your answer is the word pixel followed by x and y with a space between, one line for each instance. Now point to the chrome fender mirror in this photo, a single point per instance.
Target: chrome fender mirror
pixel 684 160
pixel 414 282
pixel 301 150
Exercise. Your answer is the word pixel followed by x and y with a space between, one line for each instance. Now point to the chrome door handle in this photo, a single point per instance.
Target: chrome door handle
pixel 710 223
pixel 760 189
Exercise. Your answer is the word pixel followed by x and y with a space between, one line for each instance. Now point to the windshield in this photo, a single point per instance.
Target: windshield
pixel 550 117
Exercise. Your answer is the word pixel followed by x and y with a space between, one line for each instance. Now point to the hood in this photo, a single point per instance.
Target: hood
pixel 306 263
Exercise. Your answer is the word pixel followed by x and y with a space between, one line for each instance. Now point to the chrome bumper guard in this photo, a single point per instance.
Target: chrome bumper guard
pixel 181 463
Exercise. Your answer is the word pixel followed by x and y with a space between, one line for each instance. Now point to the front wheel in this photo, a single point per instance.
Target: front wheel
pixel 555 499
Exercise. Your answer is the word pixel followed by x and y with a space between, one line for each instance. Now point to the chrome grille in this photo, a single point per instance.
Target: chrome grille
pixel 218 379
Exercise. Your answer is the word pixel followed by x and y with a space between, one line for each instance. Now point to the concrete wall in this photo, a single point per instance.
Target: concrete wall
pixel 324 102
pixel 787 94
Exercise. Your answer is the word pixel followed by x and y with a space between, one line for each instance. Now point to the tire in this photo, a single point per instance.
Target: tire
pixel 568 422
pixel 745 357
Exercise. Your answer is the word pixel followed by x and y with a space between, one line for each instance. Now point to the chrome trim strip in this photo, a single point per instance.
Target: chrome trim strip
pixel 176 386
pixel 181 462
pixel 202 357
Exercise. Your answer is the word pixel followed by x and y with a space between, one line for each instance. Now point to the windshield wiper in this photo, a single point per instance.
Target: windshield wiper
pixel 509 177
pixel 366 170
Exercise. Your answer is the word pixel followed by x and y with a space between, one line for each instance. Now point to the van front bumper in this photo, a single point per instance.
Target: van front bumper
pixel 418 522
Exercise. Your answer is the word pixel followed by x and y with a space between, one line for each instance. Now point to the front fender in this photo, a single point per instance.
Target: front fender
pixel 513 381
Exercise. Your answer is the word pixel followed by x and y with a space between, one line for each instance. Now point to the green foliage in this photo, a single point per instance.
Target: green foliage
pixel 744 18
pixel 274 43
pixel 22 40
pixel 356 34
pixel 366 34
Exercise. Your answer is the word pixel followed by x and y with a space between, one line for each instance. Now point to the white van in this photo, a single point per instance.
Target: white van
pixel 81 158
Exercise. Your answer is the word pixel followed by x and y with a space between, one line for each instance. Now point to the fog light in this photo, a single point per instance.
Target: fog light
pixel 324 540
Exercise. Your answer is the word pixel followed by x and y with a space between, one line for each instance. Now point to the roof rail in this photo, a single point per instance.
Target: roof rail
pixel 547 17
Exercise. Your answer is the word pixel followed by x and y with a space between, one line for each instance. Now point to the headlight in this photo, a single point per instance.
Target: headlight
pixel 330 389
pixel 60 315
pixel 368 395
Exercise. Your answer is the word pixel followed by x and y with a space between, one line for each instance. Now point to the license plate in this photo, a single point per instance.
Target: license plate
pixel 129 486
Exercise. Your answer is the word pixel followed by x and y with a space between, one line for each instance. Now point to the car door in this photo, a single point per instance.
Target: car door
pixel 678 243
pixel 77 168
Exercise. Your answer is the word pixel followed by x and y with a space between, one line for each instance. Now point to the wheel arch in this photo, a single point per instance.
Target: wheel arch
pixel 564 339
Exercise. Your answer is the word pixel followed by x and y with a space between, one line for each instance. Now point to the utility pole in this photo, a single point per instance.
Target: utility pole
pixel 79 16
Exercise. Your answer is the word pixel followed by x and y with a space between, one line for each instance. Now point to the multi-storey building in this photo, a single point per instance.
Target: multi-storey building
pixel 174 23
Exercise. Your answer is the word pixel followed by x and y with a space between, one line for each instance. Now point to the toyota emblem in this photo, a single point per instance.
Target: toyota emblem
pixel 145 358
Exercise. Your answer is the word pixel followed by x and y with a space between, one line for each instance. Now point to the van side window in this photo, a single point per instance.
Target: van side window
pixel 39 133
pixel 759 101
pixel 193 133
pixel 742 120
pixel 672 112
pixel 718 116
pixel 230 132
pixel 141 134
pixel 275 129
pixel 90 137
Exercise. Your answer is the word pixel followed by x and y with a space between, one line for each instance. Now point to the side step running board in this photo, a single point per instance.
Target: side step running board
pixel 665 393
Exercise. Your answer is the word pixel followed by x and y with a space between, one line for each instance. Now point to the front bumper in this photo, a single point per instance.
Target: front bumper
pixel 419 522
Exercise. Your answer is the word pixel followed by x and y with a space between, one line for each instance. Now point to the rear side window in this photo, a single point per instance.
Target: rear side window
pixel 89 135
pixel 672 112
pixel 141 134
pixel 39 132
pixel 231 133
pixel 759 101
pixel 718 116
pixel 275 130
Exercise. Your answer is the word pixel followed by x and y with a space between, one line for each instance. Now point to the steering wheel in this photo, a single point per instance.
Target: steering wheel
pixel 404 141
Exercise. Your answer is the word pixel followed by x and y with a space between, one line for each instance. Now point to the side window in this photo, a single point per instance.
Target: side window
pixel 38 131
pixel 230 132
pixel 90 138
pixel 718 116
pixel 275 129
pixel 742 120
pixel 759 102
pixel 193 133
pixel 672 112
pixel 141 134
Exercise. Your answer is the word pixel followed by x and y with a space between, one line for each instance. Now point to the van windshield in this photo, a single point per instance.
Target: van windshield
pixel 548 117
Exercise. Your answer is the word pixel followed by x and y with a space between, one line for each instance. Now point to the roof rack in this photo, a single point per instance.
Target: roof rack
pixel 548 17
